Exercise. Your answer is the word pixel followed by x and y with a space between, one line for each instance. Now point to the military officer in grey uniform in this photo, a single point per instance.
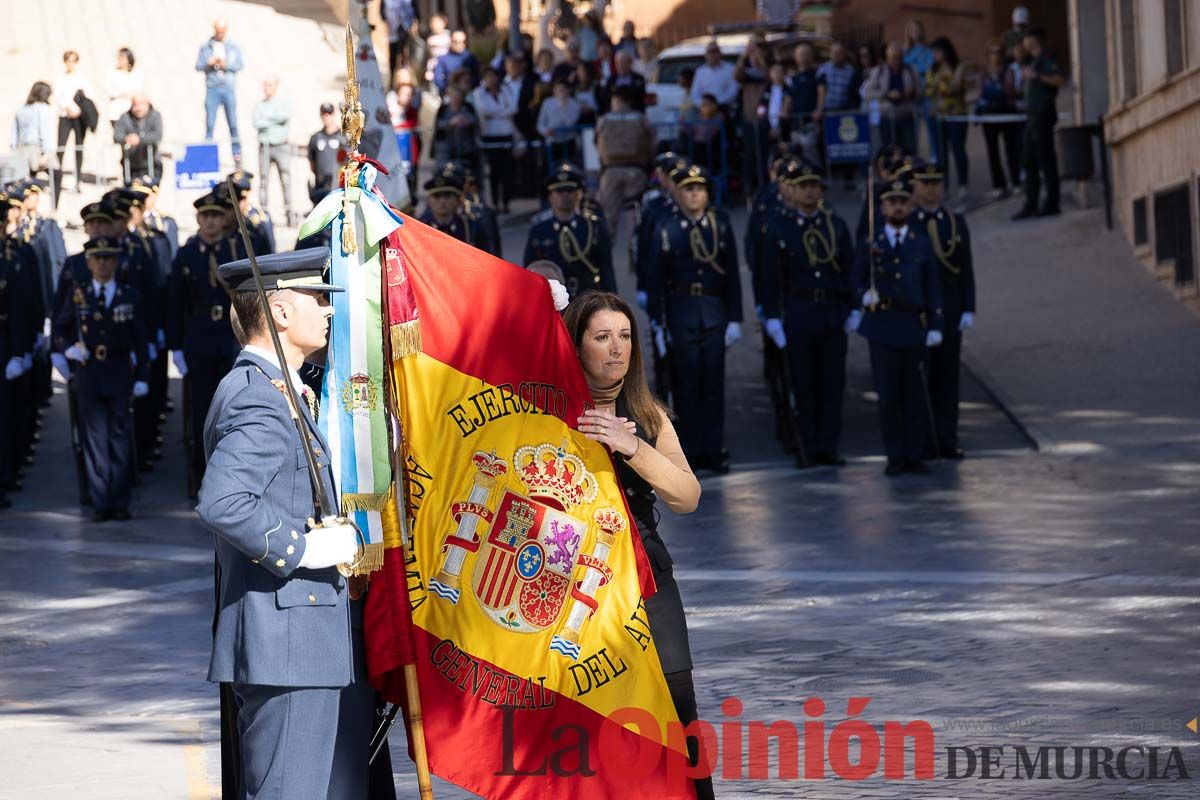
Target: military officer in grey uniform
pixel 284 636
pixel 572 237
pixel 951 241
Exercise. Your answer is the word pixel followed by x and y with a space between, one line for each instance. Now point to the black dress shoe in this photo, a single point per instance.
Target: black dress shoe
pixel 720 464
pixel 804 463
pixel 917 468
pixel 893 469
pixel 101 516
pixel 1025 213
pixel 952 453
pixel 830 459
pixel 121 516
pixel 1049 211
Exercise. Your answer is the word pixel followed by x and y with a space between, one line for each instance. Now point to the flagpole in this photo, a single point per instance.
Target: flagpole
pixel 353 123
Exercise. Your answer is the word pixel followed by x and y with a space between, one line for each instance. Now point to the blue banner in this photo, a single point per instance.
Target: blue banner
pixel 847 138
pixel 199 168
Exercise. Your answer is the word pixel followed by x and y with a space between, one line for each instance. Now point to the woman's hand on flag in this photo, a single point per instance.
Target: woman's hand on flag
pixel 615 433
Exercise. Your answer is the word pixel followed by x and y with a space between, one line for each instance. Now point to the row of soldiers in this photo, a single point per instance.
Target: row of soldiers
pixel 107 319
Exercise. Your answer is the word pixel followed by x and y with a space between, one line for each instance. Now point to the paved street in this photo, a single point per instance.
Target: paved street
pixel 1017 598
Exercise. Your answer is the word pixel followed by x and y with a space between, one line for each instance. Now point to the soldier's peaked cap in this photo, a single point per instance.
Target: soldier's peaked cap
pixel 300 269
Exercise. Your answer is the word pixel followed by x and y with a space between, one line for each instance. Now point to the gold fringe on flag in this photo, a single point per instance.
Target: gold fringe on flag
pixel 406 339
pixel 354 501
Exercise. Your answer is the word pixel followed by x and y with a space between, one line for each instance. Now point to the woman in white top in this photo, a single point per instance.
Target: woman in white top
pixel 31 138
pixel 496 108
pixel 556 121
pixel 71 120
pixel 122 84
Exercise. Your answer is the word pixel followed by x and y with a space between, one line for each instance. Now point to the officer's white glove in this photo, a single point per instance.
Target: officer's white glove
pixel 774 328
pixel 733 334
pixel 643 300
pixel 967 321
pixel 558 293
pixel 180 362
pixel 870 298
pixel 59 362
pixel 133 360
pixel 140 388
pixel 329 546
pixel 76 352
pixel 161 339
pixel 660 339
pixel 152 351
pixel 46 328
pixel 853 321
pixel 14 369
pixel 933 338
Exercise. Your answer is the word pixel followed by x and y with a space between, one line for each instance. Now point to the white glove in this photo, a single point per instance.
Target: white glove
pixel 161 339
pixel 870 298
pixel 76 352
pixel 14 369
pixel 733 333
pixel 558 293
pixel 660 339
pixel 967 321
pixel 133 360
pixel 643 300
pixel 152 351
pixel 329 545
pixel 853 321
pixel 180 362
pixel 774 328
pixel 46 328
pixel 59 361
pixel 933 338
pixel 140 388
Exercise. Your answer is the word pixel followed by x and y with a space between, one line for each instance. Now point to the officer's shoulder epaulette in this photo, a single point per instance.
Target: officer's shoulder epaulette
pixel 545 215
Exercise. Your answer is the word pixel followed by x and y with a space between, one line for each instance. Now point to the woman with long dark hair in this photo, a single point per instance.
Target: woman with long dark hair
pixel 69 87
pixel 637 428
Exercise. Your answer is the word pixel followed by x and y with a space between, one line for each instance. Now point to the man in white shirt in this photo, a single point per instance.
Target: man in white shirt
pixel 715 77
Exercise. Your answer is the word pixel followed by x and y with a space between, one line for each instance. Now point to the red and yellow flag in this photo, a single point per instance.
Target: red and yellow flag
pixel 525 576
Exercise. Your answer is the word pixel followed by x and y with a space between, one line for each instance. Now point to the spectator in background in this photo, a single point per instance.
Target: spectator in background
pixel 919 57
pixel 588 34
pixel 701 140
pixel 458 57
pixel 946 86
pixel 625 78
pixel 1015 35
pixel 437 44
pixel 272 117
pixel 629 40
pixel 221 60
pixel 751 74
pixel 568 69
pixel 556 120
pixel 625 144
pixel 455 130
pixel 773 117
pixel 803 84
pixel 122 83
pixel 326 149
pixel 605 65
pixel 588 93
pixel 404 108
pixel 69 90
pixel 998 95
pixel 544 66
pixel 139 131
pixel 715 77
pixel 837 83
pixel 496 108
pixel 867 60
pixel 32 139
pixel 403 21
pixel 520 82
pixel 1043 78
pixel 893 85
pixel 645 56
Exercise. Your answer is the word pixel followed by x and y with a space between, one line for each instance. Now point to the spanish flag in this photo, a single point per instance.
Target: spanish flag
pixel 525 574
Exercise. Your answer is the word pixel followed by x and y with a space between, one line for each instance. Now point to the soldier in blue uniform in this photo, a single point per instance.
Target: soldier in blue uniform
pixel 574 239
pixel 762 205
pixel 262 230
pixel 199 336
pixel 895 277
pixel 26 282
pixel 444 208
pixel 97 222
pixel 478 214
pixel 657 202
pixel 807 257
pixel 15 342
pixel 153 219
pixel 694 286
pixel 102 332
pixel 285 634
pixel 951 242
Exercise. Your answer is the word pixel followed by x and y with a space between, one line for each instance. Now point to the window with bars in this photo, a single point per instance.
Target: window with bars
pixel 1175 27
pixel 1129 55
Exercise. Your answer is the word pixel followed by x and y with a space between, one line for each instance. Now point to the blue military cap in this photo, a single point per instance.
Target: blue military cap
pixel 121 200
pixel 692 175
pixel 444 183
pixel 9 198
pixel 799 170
pixel 929 171
pixel 460 168
pixel 15 192
pixel 102 246
pixel 144 184
pixel 665 161
pixel 241 181
pixel 565 176
pixel 98 211
pixel 900 187
pixel 34 185
pixel 300 269
pixel 216 200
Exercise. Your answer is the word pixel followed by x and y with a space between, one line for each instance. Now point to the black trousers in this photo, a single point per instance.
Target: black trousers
pixel 204 374
pixel 818 366
pixel 107 449
pixel 498 153
pixel 1009 134
pixel 902 411
pixel 1041 161
pixel 66 128
pixel 7 454
pixel 698 381
pixel 943 385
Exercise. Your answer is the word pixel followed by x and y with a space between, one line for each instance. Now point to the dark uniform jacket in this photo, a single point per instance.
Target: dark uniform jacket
pixel 951 243
pixel 24 281
pixel 580 247
pixel 692 271
pixel 15 330
pixel 655 205
pixel 907 283
pixel 805 269
pixel 462 227
pixel 764 202
pixel 197 302
pixel 110 335
pixel 484 218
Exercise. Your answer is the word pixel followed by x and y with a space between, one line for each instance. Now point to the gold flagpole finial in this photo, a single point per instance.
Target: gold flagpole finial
pixel 353 121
